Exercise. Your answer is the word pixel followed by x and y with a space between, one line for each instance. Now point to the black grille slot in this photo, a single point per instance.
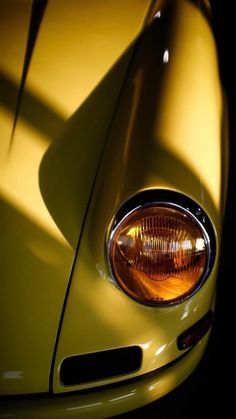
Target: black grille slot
pixel 99 365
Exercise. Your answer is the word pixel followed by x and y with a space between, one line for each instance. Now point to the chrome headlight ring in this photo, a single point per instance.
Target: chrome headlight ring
pixel 161 247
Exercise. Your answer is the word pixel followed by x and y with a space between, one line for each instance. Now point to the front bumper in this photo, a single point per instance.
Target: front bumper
pixel 107 402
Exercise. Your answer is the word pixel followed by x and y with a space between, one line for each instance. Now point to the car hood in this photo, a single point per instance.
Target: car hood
pixel 57 112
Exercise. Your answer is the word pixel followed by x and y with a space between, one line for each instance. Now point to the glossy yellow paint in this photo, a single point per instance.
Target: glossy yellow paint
pixel 78 44
pixel 109 402
pixel 11 63
pixel 44 192
pixel 99 316
pixel 168 132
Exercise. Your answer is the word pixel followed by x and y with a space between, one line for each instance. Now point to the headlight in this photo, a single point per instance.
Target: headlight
pixel 160 252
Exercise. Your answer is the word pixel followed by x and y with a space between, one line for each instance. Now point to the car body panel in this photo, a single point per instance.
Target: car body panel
pixel 13 33
pixel 167 135
pixel 107 402
pixel 137 106
pixel 36 256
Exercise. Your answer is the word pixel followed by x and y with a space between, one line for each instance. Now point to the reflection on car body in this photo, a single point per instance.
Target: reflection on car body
pixel 113 184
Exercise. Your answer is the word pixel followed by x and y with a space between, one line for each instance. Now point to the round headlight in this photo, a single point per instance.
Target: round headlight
pixel 159 253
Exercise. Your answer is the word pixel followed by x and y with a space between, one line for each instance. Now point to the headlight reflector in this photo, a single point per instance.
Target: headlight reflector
pixel 159 253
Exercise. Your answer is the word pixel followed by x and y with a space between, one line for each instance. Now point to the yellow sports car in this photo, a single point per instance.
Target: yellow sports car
pixel 113 174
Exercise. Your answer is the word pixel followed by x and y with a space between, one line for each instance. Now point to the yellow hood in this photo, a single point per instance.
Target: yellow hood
pixel 52 136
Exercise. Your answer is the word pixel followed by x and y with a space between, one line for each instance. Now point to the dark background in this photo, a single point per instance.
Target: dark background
pixel 209 390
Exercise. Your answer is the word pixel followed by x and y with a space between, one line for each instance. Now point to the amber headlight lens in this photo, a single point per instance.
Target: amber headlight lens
pixel 159 254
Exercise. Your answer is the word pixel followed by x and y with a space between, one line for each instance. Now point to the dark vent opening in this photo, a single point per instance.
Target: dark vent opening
pixel 99 365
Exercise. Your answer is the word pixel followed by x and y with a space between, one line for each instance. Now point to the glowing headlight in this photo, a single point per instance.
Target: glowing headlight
pixel 159 253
